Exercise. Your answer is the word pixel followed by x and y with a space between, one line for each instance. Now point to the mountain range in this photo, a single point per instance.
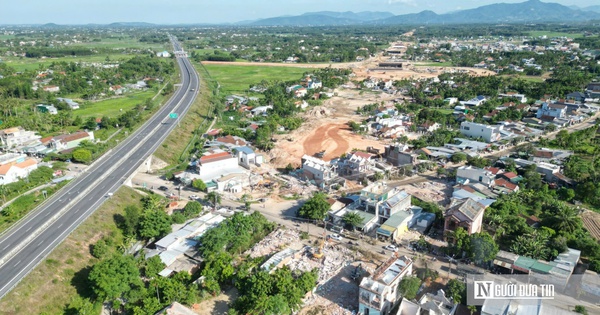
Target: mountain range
pixel 524 12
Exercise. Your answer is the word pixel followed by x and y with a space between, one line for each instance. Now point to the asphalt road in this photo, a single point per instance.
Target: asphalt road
pixel 33 238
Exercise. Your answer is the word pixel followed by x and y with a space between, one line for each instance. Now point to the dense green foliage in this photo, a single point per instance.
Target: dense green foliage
pixel 236 234
pixel 315 208
pixel 409 286
pixel 278 293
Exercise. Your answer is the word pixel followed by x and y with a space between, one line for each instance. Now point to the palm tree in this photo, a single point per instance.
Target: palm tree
pixel 565 219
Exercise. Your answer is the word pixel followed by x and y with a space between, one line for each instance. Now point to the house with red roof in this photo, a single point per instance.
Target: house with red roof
pixel 12 172
pixel 214 165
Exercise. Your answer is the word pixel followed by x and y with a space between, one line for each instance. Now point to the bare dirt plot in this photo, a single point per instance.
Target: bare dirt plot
pixel 218 305
pixel 436 192
pixel 591 221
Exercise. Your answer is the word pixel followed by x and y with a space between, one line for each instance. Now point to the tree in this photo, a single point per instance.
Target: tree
pixel 82 155
pixel 581 309
pixel 153 266
pixel 131 219
pixel 456 290
pixel 192 208
pixel 112 278
pixel 154 224
pixel 482 247
pixel 409 286
pixel 315 208
pixel 458 157
pixel 550 127
pixel 90 123
pixel 199 184
pixel 100 249
pixel 213 197
pixel 353 219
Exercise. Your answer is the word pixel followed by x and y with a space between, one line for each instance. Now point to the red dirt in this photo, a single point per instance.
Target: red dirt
pixel 327 138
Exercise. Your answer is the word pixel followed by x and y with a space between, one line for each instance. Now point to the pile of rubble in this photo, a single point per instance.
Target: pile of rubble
pixel 274 242
pixel 318 111
pixel 334 257
pixel 428 191
pixel 325 307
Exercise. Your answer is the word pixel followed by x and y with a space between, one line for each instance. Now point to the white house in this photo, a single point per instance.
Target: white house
pixel 261 110
pixel 217 164
pixel 72 104
pixel 474 175
pixel 10 173
pixel 378 294
pixel 50 109
pixel 246 156
pixel 476 101
pixel 552 110
pixel 521 97
pixel 430 304
pixel 163 54
pixel 451 100
pixel 317 169
pixel 17 137
pixel 475 130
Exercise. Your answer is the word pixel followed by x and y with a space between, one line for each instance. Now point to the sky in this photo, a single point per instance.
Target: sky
pixel 214 11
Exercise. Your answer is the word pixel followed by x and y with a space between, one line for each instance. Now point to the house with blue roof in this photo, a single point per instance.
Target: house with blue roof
pixel 246 156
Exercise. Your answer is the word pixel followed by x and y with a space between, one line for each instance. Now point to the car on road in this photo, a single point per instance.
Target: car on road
pixel 336 237
pixel 391 248
pixel 109 194
pixel 194 197
pixel 163 188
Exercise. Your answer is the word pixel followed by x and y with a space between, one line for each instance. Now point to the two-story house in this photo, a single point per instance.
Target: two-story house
pixel 466 213
pixel 397 155
pixel 377 202
pixel 358 163
pixel 551 110
pixel 318 170
pixel 469 174
pixel 475 130
pixel 15 137
pixel 378 294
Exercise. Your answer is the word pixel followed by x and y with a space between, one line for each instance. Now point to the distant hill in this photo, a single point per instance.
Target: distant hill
pixel 529 11
pixel 324 18
pixel 595 8
pixel 359 16
pixel 305 20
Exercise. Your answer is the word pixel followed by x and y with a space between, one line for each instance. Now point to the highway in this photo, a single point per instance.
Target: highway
pixel 27 243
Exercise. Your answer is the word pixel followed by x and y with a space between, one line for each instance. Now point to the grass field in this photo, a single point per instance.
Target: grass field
pixel 63 275
pixel 112 107
pixel 236 79
pixel 551 34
